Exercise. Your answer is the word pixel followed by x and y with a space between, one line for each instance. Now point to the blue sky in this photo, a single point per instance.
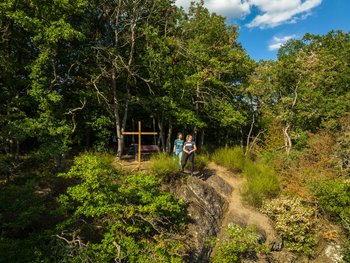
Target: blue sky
pixel 264 25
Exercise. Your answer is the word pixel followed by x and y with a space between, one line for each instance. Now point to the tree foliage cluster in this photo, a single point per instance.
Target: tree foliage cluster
pixel 103 214
pixel 240 243
pixel 121 217
pixel 76 73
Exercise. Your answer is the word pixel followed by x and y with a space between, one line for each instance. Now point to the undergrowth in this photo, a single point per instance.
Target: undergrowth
pixel 295 221
pixel 231 158
pixel 261 180
pixel 240 243
pixel 163 164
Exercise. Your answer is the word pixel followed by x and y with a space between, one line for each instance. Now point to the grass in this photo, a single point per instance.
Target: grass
pixel 200 162
pixel 231 158
pixel 262 181
pixel 163 164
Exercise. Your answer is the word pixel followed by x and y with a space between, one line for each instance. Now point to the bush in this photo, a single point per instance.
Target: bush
pixel 163 164
pixel 117 216
pixel 261 183
pixel 200 162
pixel 231 158
pixel 294 221
pixel 240 242
pixel 334 198
pixel 346 252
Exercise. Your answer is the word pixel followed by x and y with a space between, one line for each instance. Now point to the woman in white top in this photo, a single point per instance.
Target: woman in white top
pixel 189 148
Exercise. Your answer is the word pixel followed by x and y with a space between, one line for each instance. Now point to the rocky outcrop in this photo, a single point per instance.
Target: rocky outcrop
pixel 214 203
pixel 206 208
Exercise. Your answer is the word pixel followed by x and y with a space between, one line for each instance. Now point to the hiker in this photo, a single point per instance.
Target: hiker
pixel 189 148
pixel 178 144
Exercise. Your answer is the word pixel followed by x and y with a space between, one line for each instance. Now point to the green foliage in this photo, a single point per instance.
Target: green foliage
pixel 101 127
pixel 163 164
pixel 346 252
pixel 137 218
pixel 343 139
pixel 201 162
pixel 22 207
pixel 262 182
pixel 294 221
pixel 240 242
pixel 70 71
pixel 227 116
pixel 28 217
pixel 334 198
pixel 231 158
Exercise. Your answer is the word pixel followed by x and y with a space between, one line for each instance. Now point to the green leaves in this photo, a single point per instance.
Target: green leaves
pixel 334 198
pixel 238 244
pixel 295 221
pixel 134 212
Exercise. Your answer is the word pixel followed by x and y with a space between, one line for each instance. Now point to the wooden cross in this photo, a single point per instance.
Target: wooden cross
pixel 139 133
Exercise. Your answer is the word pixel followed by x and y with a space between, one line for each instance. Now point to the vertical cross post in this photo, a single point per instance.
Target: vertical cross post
pixel 139 133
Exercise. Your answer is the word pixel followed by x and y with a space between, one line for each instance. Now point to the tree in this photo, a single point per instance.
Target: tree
pixel 305 88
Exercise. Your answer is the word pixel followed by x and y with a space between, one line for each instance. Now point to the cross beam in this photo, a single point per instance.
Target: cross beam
pixel 139 133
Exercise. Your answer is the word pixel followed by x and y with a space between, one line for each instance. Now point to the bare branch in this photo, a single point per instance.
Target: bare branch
pixel 74 242
pixel 73 111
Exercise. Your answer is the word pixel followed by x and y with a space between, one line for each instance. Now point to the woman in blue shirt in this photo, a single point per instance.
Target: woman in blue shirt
pixel 178 144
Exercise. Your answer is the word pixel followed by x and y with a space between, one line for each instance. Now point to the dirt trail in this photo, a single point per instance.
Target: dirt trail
pixel 238 212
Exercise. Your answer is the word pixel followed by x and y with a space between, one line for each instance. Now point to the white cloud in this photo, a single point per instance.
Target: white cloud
pixel 273 12
pixel 228 8
pixel 277 12
pixel 277 42
pixel 184 3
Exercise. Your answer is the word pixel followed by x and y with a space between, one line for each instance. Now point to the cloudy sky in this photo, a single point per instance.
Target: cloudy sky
pixel 266 24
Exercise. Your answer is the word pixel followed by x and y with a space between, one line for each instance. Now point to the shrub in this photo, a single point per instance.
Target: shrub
pixel 231 158
pixel 334 198
pixel 200 162
pixel 128 216
pixel 294 221
pixel 239 243
pixel 346 252
pixel 163 164
pixel 261 183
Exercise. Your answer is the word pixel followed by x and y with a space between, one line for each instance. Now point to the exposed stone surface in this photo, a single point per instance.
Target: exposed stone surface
pixel 206 209
pixel 214 202
pixel 332 254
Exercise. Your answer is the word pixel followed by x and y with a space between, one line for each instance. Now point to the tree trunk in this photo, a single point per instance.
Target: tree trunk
pixel 133 129
pixel 249 135
pixel 118 125
pixel 287 139
pixel 17 150
pixel 161 132
pixel 202 139
pixel 241 138
pixel 226 140
pixel 170 130
pixel 195 129
pixel 154 129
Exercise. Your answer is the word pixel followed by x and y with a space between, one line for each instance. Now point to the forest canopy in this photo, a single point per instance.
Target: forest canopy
pixel 75 74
